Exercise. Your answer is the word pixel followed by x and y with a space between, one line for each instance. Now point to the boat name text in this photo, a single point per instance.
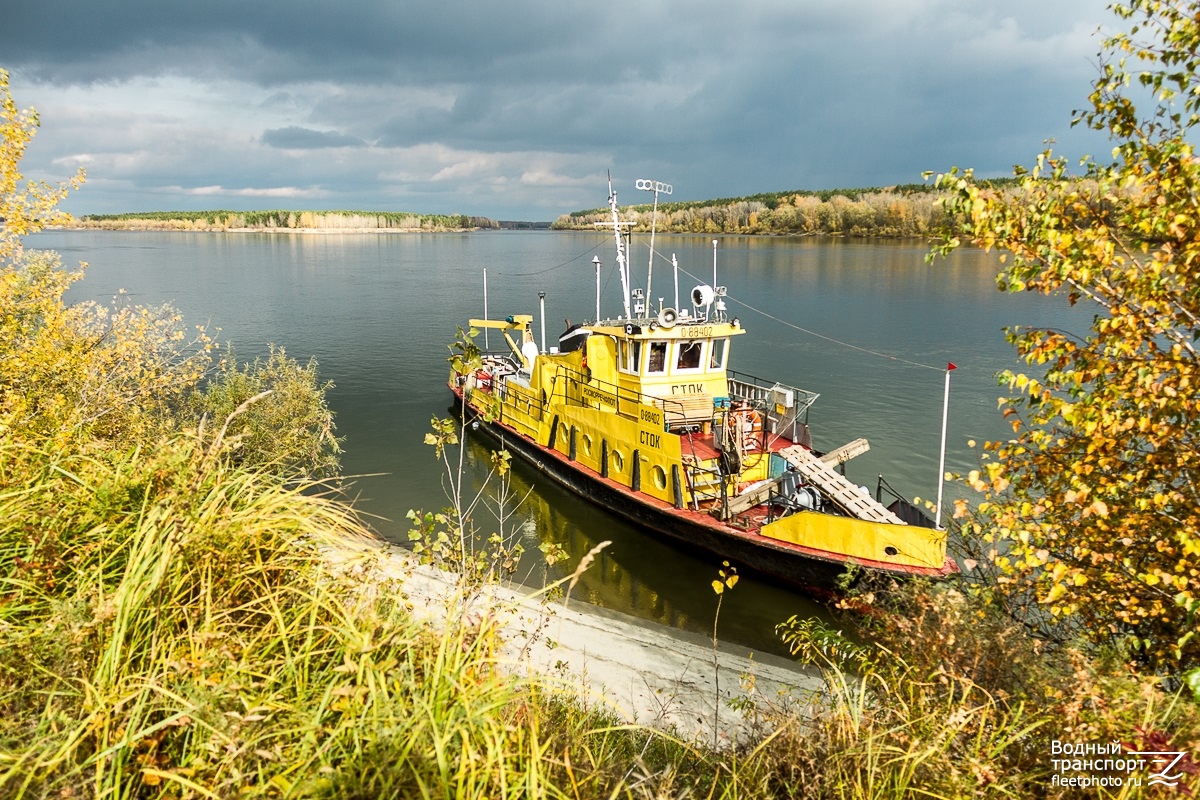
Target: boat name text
pixel 687 388
pixel 696 331
pixel 597 396
pixel 652 439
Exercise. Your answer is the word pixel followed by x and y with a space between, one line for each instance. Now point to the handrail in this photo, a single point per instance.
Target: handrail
pixel 765 387
pixel 619 393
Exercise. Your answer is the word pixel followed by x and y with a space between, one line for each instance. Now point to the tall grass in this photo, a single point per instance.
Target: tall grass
pixel 166 621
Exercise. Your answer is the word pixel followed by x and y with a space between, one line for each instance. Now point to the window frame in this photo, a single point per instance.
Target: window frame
pixel 677 349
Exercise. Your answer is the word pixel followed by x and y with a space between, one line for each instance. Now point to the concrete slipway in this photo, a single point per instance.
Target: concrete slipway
pixel 648 674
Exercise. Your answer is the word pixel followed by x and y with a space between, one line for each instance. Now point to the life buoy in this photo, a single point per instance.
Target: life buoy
pixel 748 422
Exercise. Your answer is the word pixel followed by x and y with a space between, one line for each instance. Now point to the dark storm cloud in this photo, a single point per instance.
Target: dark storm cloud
pixel 523 103
pixel 271 43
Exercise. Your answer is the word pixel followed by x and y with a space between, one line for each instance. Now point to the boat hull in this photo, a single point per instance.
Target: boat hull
pixel 793 565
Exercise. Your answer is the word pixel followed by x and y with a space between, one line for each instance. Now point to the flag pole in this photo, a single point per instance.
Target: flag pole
pixel 942 459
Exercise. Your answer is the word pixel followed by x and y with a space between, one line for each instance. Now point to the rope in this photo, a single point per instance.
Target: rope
pixel 742 303
pixel 814 333
pixel 556 266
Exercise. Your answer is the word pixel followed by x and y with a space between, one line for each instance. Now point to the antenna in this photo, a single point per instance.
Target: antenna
pixel 652 186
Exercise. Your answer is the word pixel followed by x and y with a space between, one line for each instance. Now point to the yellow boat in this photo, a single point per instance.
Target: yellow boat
pixel 642 415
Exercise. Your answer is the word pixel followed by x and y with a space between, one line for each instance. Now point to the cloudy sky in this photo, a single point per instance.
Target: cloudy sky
pixel 517 109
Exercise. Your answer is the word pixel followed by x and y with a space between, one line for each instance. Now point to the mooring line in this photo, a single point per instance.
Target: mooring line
pixel 793 325
pixel 556 266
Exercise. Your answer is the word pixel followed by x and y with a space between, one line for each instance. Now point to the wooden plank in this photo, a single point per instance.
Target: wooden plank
pixel 754 497
pixel 843 492
pixel 759 494
pixel 840 455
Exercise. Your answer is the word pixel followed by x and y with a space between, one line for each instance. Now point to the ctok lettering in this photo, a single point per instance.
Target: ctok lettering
pixel 650 439
pixel 687 388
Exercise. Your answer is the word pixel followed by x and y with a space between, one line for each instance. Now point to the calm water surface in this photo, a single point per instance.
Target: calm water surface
pixel 378 311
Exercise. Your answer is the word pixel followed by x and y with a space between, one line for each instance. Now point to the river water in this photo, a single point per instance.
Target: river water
pixel 378 312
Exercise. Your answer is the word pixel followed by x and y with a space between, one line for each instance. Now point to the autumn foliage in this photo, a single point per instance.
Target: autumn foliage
pixel 1090 516
pixel 29 207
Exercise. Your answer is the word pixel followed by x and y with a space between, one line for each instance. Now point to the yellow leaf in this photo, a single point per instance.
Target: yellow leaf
pixel 1055 593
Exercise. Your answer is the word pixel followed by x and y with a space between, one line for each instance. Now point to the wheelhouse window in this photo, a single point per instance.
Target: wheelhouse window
pixel 717 353
pixel 631 356
pixel 657 362
pixel 689 356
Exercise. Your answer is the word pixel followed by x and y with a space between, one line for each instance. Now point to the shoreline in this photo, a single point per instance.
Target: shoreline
pixel 411 231
pixel 646 673
pixel 303 231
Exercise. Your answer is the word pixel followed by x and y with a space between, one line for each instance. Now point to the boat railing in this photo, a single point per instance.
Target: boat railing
pixel 522 399
pixel 595 393
pixel 786 407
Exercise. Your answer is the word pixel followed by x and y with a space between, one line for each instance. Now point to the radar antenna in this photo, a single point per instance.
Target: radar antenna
pixel 646 185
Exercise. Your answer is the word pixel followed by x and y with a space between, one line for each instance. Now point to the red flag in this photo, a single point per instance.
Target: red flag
pixel 950 366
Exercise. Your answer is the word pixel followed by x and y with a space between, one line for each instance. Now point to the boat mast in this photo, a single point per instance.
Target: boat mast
pixel 622 264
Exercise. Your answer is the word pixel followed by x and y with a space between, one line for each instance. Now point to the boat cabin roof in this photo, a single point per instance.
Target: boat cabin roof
pixel 651 329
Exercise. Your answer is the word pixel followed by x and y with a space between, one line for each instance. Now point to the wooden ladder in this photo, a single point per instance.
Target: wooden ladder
pixel 846 494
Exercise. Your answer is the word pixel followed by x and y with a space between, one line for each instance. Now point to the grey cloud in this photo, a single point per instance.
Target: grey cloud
pixel 718 98
pixel 296 138
pixel 273 43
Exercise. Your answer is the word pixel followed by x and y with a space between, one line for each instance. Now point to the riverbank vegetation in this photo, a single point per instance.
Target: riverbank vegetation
pixel 1089 524
pixel 171 627
pixel 897 211
pixel 283 220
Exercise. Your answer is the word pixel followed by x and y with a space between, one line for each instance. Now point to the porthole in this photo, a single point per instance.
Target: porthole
pixel 618 461
pixel 891 551
pixel 659 476
pixel 587 444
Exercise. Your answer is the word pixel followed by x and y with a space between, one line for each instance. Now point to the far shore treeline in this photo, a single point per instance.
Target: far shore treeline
pixel 896 211
pixel 294 220
pixel 909 210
